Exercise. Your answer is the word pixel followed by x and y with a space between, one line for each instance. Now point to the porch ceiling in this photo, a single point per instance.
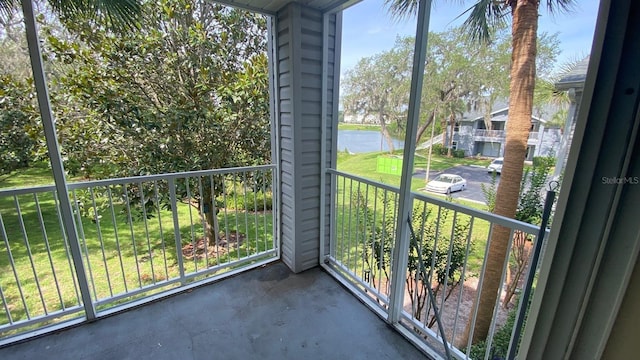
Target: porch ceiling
pixel 273 6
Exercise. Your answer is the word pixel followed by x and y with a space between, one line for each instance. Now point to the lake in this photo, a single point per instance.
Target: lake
pixel 361 141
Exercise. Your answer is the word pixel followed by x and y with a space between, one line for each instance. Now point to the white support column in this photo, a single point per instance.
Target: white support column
pixel 275 128
pixel 40 82
pixel 401 249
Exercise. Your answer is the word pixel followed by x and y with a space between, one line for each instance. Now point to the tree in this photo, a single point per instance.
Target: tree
pixel 462 75
pixel 189 91
pixel 378 86
pixel 483 16
pixel 18 127
pixel 19 118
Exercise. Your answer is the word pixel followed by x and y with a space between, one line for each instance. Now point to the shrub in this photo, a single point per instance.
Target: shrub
pixel 500 343
pixel 258 201
pixel 544 161
pixel 439 149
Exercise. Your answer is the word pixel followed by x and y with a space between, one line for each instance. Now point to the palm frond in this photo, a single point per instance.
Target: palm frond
pixel 562 6
pixel 405 9
pixel 7 6
pixel 546 93
pixel 569 64
pixel 484 16
pixel 117 14
pixel 402 9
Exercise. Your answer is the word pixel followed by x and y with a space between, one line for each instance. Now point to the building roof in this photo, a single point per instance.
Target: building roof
pixel 475 113
pixel 575 77
pixel 270 7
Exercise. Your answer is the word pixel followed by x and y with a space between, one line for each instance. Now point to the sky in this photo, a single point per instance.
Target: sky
pixel 367 29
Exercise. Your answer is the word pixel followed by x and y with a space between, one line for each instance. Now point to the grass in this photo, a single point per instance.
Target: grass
pixel 121 254
pixel 364 164
pixel 36 175
pixel 349 126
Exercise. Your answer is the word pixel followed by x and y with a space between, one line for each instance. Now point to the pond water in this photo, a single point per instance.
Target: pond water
pixel 361 141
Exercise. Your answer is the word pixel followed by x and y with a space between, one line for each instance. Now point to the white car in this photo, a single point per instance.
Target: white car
pixel 447 183
pixel 496 165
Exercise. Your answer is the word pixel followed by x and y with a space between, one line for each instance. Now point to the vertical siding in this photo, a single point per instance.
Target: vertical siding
pixel 287 150
pixel 331 124
pixel 300 94
pixel 308 236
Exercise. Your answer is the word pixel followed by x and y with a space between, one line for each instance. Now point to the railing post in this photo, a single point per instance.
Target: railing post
pixel 405 206
pixel 53 148
pixel 176 227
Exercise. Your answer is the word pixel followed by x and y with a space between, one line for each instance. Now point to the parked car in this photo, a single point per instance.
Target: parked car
pixel 496 165
pixel 446 184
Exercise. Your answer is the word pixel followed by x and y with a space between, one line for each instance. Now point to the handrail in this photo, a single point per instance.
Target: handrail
pixel 178 175
pixel 481 214
pixel 126 180
pixel 27 190
pixel 364 180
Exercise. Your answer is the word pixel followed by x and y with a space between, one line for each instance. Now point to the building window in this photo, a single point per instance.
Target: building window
pixel 454 145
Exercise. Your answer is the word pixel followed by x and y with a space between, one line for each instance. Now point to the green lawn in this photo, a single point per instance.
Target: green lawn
pixel 121 254
pixel 37 174
pixel 364 165
pixel 348 126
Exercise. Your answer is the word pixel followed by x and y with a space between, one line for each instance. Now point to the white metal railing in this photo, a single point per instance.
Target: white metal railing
pixel 449 240
pixel 140 237
pixel 489 133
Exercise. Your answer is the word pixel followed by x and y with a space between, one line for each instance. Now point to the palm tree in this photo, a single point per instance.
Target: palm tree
pixel 483 16
pixel 115 14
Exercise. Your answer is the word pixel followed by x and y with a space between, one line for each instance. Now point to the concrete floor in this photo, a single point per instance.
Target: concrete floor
pixel 267 313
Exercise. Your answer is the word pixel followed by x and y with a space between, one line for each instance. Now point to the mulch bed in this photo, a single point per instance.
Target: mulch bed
pixel 203 249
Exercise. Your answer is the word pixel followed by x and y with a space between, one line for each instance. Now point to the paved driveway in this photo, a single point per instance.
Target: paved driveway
pixel 474 176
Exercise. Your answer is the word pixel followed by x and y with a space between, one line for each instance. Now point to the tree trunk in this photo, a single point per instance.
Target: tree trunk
pixel 212 231
pixel 521 251
pixel 452 126
pixel 422 128
pixel 385 133
pixel 523 75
